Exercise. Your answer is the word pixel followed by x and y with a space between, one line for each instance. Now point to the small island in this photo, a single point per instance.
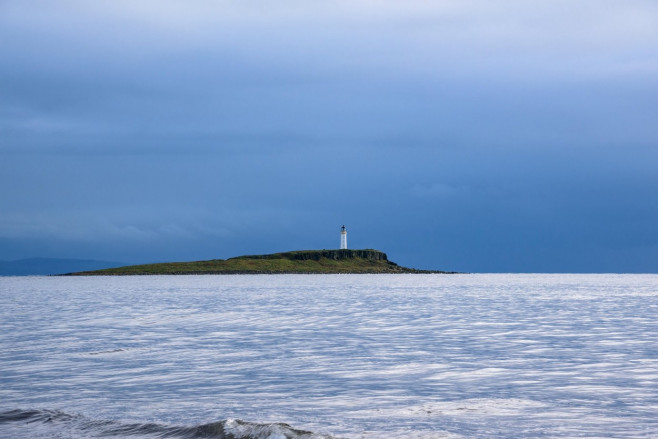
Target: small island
pixel 293 262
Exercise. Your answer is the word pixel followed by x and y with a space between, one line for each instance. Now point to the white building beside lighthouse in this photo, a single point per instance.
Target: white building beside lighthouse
pixel 343 238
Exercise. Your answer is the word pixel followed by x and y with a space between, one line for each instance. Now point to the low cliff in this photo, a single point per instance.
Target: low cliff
pixel 317 255
pixel 294 262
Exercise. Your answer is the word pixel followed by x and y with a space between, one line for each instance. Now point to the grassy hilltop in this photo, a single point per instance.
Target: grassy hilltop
pixel 302 262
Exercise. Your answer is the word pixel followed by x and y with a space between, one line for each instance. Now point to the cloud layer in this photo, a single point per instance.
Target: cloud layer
pixel 471 136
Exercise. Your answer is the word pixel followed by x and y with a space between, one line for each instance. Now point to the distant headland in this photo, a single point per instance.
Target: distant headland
pixel 293 262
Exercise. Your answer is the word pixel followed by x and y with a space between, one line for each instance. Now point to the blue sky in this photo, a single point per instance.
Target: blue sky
pixel 508 136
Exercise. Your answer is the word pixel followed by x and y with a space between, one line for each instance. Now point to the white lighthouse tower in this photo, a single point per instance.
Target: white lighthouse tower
pixel 343 238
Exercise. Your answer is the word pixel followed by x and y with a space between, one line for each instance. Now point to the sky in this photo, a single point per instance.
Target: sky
pixel 479 136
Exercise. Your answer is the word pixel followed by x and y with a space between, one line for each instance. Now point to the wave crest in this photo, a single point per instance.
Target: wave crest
pixel 84 427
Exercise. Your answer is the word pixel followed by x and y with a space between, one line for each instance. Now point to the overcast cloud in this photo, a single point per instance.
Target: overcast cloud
pixel 472 135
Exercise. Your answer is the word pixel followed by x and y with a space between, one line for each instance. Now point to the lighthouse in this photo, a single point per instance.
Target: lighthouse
pixel 343 238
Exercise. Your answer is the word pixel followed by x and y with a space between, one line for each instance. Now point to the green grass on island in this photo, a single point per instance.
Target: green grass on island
pixel 294 262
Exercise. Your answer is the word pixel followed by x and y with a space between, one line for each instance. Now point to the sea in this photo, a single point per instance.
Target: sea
pixel 330 356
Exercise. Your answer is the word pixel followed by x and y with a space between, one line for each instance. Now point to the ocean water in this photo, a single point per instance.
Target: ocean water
pixel 319 356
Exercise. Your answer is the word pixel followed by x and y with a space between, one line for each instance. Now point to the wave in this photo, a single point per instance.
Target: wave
pixel 82 427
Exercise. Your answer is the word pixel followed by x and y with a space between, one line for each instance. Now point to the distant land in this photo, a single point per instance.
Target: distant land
pixel 49 266
pixel 293 262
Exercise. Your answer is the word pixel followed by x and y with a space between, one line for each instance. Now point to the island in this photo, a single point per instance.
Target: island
pixel 293 262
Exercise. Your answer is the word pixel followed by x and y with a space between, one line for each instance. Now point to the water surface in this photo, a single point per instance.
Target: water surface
pixel 351 356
